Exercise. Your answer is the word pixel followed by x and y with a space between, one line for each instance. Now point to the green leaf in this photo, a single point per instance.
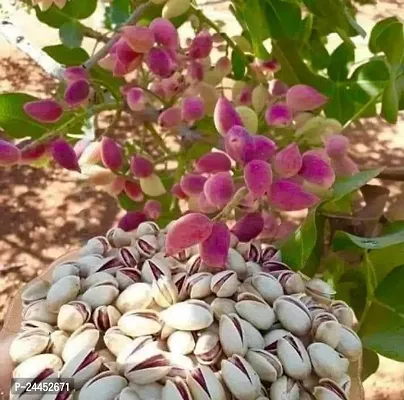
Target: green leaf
pixel 74 9
pixel 119 11
pixel 390 103
pixel 64 55
pixel 319 56
pixel 377 31
pixel 340 61
pixel 344 240
pixel 298 248
pixel 127 203
pixel 340 105
pixel 71 34
pixel 386 259
pixel 370 363
pixel 238 64
pixel 390 291
pixel 344 186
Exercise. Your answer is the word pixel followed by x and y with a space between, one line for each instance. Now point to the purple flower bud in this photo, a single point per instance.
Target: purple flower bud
pixel 9 153
pixel 71 74
pixel 215 249
pixel 219 189
pixel 45 111
pixel 192 184
pixel 170 118
pixel 225 116
pixel 278 88
pixel 336 146
pixel 131 220
pixel 116 186
pixel 140 38
pixel 316 170
pixel 160 62
pixel 77 92
pixel 271 65
pixel 111 153
pixel 258 177
pixel 344 166
pixel 287 195
pixel 195 71
pixel 304 98
pixel 177 191
pixel 31 154
pixel 248 227
pixel 64 155
pixel 133 191
pixel 213 162
pixel 288 161
pixel 136 99
pixel 187 231
pixel 165 33
pixel 245 96
pixel 129 58
pixel 264 148
pixel 223 64
pixel 193 109
pixel 201 45
pixel 239 144
pixel 204 205
pixel 140 167
pixel 152 209
pixel 278 115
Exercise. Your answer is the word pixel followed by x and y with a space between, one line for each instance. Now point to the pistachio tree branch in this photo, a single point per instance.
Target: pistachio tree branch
pixel 235 201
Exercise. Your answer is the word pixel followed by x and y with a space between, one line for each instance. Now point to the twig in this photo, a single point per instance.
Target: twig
pixel 238 197
pixel 158 138
pixel 136 15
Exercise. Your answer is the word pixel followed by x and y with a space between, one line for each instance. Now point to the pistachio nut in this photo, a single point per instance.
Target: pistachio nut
pixel 164 292
pixel 176 389
pixel 181 342
pixel 294 357
pixel 127 276
pixel 180 365
pixel 86 263
pixel 129 256
pixel 109 264
pixel 166 331
pixel 179 280
pixel 34 291
pixel 312 305
pixel 28 344
pixel 223 306
pixel 204 385
pixel 85 337
pixel 66 269
pixel 82 367
pixel 73 315
pixel 253 268
pixel 293 315
pixel 268 252
pixel 253 335
pixel 39 311
pixel 235 262
pixel 152 391
pixel 140 323
pixel 194 265
pixel 33 324
pixel 255 310
pixel 292 282
pixel 96 245
pixel 267 286
pixel 136 296
pixel 106 356
pixel 149 365
pixel 63 291
pixel 285 388
pixel 104 386
pixel 127 394
pixel 58 342
pixel 154 268
pixel 98 279
pixel 349 344
pixel 105 316
pixel 101 295
pixel 147 228
pixel 266 365
pixel 320 290
pixel 271 339
pixel 327 363
pixel 147 246
pixel 343 312
pixel 208 348
pixel 327 389
pixel 345 383
pixel 133 351
pixel 224 284
pixel 275 267
pixel 240 378
pixel 41 378
pixel 197 286
pixel 63 394
pixel 232 335
pixel 190 315
pixel 254 253
pixel 326 329
pixel 115 340
pixel 34 366
pixel 243 248
pixel 248 287
pixel 117 237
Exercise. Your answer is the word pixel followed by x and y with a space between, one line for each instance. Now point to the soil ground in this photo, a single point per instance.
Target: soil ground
pixel 44 214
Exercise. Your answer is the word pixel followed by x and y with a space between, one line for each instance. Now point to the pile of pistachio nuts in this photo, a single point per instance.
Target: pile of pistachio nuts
pixel 126 322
